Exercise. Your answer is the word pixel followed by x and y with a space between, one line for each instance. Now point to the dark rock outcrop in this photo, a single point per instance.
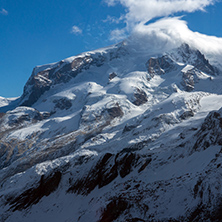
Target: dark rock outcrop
pixel 196 58
pixel 100 175
pixel 114 209
pixel 46 186
pixel 210 132
pixel 140 97
pixel 26 116
pixel 115 111
pixel 63 103
pixel 159 66
pixel 128 128
pixel 38 88
pixel 112 76
pixel 63 72
pixel 203 213
pixel 2 114
pixel 186 115
pixel 105 171
pixel 189 79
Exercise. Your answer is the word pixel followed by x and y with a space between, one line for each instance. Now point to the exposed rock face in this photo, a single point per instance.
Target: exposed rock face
pixel 41 82
pixel 210 132
pixel 33 195
pixel 114 209
pixel 187 115
pixel 140 97
pixel 101 118
pixel 38 88
pixel 115 111
pixel 22 115
pixel 166 63
pixel 112 76
pixel 63 72
pixel 100 176
pixel 189 80
pixel 1 117
pixel 106 170
pixel 159 66
pixel 194 57
pixel 128 128
pixel 63 103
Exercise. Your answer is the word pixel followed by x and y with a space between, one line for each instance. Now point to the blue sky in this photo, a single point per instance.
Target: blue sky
pixel 43 31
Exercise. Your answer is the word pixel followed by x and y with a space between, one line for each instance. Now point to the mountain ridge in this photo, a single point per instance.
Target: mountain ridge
pixel 115 135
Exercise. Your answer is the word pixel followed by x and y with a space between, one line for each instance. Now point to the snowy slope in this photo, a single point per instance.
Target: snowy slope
pixel 117 134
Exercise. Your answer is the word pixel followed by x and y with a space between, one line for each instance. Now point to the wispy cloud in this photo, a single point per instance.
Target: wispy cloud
pixel 117 35
pixel 76 30
pixel 111 2
pixel 112 19
pixel 3 12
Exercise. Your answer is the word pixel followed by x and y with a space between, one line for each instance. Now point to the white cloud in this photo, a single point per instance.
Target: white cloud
pixel 3 12
pixel 76 30
pixel 141 11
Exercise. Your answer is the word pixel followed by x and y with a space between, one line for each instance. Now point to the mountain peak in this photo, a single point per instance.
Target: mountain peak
pixel 121 120
pixel 44 77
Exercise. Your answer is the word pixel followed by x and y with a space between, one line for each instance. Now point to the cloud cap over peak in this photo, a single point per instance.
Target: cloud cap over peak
pixel 169 33
pixel 166 33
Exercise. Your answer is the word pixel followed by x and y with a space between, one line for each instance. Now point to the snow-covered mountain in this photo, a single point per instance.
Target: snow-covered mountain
pixel 116 134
